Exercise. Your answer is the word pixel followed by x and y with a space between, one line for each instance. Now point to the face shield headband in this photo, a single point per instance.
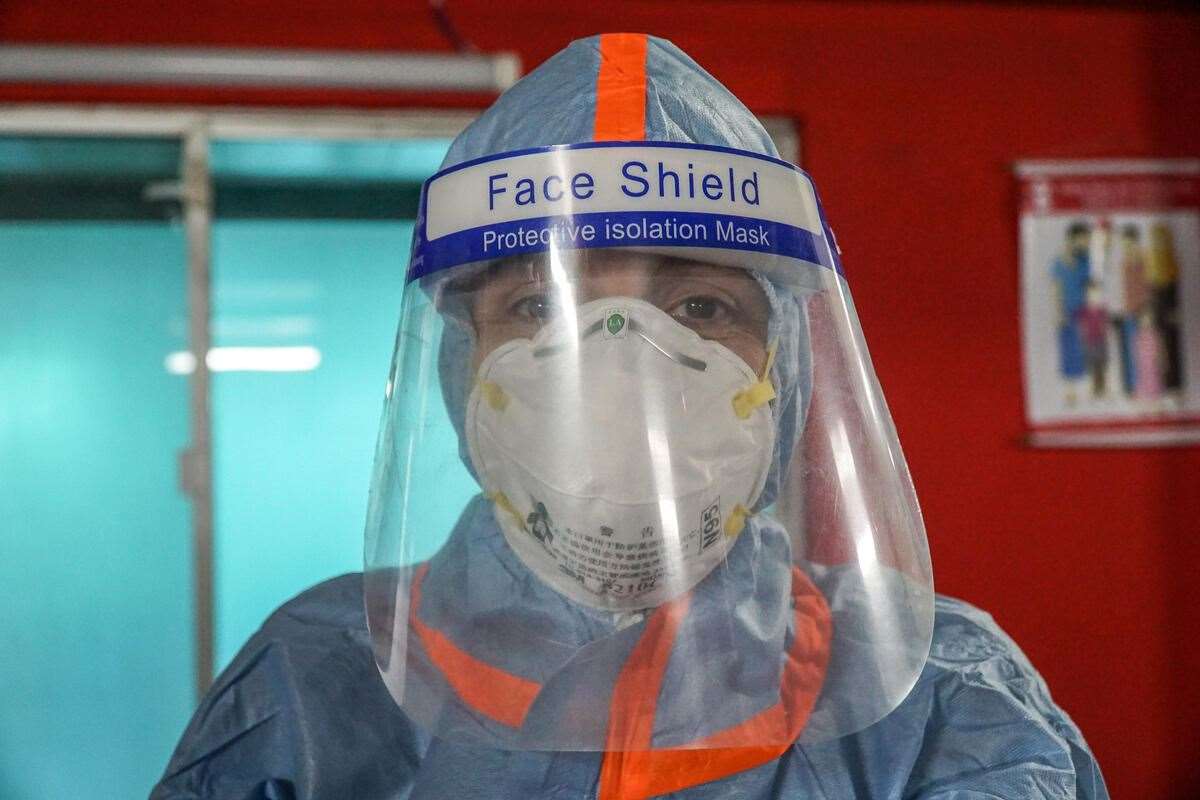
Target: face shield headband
pixel 716 204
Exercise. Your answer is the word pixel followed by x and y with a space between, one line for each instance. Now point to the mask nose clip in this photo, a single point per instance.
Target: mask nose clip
pixel 636 328
pixel 679 358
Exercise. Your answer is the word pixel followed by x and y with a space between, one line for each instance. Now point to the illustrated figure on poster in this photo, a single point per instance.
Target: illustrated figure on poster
pixel 1148 357
pixel 1071 272
pixel 1092 323
pixel 1163 277
pixel 1100 264
pixel 1129 298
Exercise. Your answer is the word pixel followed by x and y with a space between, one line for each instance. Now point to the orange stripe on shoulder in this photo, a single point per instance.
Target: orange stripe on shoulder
pixel 489 690
pixel 621 88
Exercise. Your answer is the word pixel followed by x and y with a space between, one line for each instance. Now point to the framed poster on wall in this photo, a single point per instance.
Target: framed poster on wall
pixel 1110 302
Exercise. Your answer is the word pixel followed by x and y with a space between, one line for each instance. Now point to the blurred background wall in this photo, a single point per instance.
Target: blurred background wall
pixel 911 116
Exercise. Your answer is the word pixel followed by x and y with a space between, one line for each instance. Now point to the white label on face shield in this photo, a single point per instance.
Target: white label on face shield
pixel 615 457
pixel 615 180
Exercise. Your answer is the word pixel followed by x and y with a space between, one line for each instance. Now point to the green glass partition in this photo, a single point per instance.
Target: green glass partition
pixel 96 641
pixel 309 244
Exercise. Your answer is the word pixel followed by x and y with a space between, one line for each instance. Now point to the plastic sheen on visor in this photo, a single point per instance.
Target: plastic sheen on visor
pixel 691 526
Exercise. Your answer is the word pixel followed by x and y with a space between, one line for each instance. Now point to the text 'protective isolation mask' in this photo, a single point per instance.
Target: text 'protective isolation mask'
pixel 623 452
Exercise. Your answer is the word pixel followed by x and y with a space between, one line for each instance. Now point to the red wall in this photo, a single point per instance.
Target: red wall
pixel 912 115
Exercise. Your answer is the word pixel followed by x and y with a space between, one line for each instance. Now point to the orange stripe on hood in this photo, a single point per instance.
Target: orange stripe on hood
pixel 621 88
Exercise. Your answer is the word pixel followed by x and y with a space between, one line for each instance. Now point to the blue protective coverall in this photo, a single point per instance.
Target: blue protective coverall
pixel 302 712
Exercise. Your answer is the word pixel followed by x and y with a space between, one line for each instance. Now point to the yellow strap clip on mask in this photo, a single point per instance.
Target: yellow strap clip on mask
pixel 495 396
pixel 760 392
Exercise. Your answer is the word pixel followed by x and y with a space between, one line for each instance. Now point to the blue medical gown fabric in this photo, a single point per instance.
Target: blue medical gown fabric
pixel 301 713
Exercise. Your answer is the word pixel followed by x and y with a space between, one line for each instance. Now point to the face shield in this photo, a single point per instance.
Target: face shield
pixel 691 526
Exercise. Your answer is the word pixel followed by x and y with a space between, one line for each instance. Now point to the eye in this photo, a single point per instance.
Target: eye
pixel 701 308
pixel 538 307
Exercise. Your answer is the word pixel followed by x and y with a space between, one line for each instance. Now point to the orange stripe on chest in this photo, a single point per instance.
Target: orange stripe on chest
pixel 632 770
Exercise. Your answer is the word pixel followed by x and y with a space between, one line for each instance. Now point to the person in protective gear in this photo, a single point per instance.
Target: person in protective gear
pixel 690 562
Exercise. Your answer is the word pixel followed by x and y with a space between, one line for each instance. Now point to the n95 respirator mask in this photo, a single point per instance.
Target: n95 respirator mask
pixel 622 451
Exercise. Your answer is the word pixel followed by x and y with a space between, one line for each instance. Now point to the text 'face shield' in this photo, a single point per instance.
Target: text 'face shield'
pixel 691 525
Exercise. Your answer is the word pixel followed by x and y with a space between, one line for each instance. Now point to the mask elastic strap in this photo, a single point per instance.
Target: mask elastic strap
pixel 745 402
pixel 501 500
pixel 760 392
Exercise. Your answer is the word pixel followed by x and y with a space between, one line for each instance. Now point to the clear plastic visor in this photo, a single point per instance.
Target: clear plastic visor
pixel 641 498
